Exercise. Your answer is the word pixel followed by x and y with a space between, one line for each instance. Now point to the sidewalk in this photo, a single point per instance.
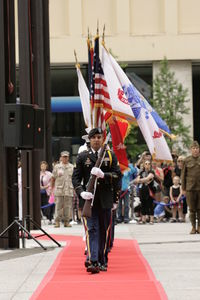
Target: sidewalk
pixel 171 251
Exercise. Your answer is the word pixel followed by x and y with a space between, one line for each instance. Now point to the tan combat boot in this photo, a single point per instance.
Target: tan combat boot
pixel 57 224
pixel 193 231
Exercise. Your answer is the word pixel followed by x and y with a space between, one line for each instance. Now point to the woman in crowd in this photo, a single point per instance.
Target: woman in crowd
pixel 145 181
pixel 45 181
pixel 159 177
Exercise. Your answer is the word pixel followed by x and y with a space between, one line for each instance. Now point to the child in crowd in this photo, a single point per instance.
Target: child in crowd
pixel 162 210
pixel 175 197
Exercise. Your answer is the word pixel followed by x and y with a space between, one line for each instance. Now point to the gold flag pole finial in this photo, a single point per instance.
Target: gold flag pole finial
pixel 88 39
pixel 77 64
pixel 103 36
pixel 97 27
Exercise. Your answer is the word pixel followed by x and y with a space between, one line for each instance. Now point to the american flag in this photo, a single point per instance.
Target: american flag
pixel 98 90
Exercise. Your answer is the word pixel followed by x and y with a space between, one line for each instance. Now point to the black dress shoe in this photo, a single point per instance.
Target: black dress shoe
pixel 93 268
pixel 126 221
pixel 87 263
pixel 119 221
pixel 103 268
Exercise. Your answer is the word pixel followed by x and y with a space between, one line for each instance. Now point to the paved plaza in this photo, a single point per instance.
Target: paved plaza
pixel 173 254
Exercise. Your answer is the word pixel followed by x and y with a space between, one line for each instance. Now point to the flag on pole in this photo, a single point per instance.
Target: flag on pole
pixel 99 93
pixel 118 124
pixel 152 134
pixel 118 132
pixel 119 102
pixel 159 121
pixel 90 64
pixel 84 96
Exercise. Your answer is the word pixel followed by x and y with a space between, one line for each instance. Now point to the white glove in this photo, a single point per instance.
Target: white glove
pixel 87 195
pixel 97 172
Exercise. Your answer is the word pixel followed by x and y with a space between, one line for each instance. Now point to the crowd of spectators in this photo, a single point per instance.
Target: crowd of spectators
pixel 156 191
pixel 151 192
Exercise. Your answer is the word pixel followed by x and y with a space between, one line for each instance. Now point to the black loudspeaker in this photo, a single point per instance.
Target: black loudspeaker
pixel 18 125
pixel 38 140
pixel 23 126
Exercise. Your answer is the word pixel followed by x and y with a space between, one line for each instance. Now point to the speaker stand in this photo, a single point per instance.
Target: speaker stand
pixel 23 230
pixel 28 220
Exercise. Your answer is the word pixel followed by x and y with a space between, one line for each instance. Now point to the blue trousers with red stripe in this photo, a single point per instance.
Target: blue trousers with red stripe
pixel 96 235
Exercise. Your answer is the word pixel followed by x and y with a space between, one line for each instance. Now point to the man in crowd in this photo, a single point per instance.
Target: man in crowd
pixel 128 176
pixel 108 182
pixel 61 184
pixel 190 175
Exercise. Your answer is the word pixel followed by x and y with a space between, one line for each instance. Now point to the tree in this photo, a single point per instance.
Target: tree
pixel 169 100
pixel 134 142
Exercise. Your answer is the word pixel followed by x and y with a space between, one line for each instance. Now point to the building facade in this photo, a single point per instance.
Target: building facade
pixel 139 32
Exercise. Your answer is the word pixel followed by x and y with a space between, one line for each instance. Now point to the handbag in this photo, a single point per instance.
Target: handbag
pixel 51 199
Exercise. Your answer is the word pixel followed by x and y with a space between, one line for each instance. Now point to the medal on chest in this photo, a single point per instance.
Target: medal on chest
pixel 88 162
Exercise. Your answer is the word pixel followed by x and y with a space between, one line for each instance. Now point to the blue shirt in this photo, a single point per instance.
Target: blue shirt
pixel 128 175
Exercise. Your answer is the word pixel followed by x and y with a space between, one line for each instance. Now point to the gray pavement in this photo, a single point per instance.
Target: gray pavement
pixel 173 254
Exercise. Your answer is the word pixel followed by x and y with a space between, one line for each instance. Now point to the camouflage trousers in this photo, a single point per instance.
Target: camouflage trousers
pixel 63 208
pixel 193 201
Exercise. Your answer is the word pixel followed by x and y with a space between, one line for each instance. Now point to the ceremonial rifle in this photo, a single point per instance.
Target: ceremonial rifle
pixel 87 208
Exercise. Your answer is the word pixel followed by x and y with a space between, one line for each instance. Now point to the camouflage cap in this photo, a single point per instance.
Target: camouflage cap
pixel 194 144
pixel 64 153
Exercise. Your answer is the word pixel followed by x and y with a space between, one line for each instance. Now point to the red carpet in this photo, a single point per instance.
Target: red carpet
pixel 129 276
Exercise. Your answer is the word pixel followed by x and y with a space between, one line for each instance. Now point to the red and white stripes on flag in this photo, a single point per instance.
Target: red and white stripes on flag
pixel 98 91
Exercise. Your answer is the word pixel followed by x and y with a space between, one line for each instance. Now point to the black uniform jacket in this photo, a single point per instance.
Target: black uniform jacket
pixel 107 187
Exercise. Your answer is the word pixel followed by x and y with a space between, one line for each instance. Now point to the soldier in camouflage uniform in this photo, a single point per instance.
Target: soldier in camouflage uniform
pixel 190 179
pixel 63 189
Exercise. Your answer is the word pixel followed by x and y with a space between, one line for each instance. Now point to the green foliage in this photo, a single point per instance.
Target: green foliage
pixel 133 147
pixel 169 100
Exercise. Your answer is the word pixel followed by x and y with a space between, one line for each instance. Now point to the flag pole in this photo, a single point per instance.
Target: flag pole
pixel 95 108
pixel 88 39
pixel 97 27
pixel 89 44
pixel 103 38
pixel 77 64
